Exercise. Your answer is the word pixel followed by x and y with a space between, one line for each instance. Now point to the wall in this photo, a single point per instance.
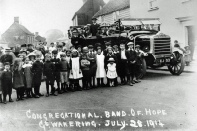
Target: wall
pixel 168 11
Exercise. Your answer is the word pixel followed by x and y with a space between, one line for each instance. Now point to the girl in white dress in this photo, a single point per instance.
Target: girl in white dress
pixel 111 72
pixel 100 72
pixel 75 72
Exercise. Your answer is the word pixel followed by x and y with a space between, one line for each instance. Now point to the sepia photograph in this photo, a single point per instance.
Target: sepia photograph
pixel 98 65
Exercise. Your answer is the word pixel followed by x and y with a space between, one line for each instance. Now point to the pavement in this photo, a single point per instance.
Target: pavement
pixel 160 102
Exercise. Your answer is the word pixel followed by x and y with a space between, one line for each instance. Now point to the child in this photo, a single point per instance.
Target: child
pixel 18 78
pixel 48 73
pixel 1 71
pixel 111 72
pixel 122 68
pixel 92 58
pixel 56 72
pixel 85 67
pixel 32 57
pixel 6 81
pixel 100 72
pixel 75 72
pixel 188 58
pixel 37 69
pixel 64 69
pixel 28 76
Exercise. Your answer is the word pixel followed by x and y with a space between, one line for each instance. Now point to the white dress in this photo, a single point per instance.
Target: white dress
pixel 100 71
pixel 75 69
pixel 111 73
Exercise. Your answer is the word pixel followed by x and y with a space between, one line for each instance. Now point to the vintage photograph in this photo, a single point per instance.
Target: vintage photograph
pixel 98 65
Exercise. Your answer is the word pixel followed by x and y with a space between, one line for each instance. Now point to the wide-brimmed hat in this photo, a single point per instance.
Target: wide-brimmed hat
pixel 111 60
pixel 130 43
pixel 108 43
pixel 54 52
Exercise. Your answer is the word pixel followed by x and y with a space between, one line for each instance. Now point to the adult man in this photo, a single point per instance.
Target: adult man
pixel 30 48
pixel 7 57
pixel 94 27
pixel 132 58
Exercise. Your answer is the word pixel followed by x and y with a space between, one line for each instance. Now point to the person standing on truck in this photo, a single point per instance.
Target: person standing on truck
pixel 94 27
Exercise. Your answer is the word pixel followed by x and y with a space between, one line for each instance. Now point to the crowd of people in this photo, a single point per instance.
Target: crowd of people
pixel 24 71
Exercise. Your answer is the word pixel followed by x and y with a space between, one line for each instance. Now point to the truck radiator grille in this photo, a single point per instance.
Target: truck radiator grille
pixel 162 46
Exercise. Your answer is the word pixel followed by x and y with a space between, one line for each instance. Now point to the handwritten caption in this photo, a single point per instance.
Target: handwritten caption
pixel 103 119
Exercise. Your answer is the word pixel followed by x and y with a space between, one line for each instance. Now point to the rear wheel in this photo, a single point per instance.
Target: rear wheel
pixel 142 68
pixel 177 64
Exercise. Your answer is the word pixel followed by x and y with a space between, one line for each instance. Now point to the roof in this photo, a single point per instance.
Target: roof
pixel 15 27
pixel 113 5
pixel 40 38
pixel 83 9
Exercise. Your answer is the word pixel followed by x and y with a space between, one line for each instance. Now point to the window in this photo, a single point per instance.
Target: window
pixel 153 4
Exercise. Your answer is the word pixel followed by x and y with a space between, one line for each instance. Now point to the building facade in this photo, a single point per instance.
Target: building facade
pixel 17 34
pixel 113 10
pixel 84 15
pixel 177 17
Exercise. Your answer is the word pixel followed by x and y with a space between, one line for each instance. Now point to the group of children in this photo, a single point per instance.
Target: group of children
pixel 87 64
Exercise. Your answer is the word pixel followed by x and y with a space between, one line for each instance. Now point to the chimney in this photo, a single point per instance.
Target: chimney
pixel 16 20
pixel 36 33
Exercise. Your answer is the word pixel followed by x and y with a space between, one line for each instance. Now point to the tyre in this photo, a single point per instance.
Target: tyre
pixel 177 64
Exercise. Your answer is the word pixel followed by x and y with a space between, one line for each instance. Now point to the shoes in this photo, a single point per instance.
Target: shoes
pixel 36 96
pixel 137 81
pixel 47 95
pixel 40 94
pixel 4 102
pixel 59 92
pixel 131 84
pixel 11 100
pixel 17 99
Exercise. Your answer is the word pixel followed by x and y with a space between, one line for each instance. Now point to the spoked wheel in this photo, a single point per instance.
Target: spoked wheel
pixel 177 64
pixel 142 68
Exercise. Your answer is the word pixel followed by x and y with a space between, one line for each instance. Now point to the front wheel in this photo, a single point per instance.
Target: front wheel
pixel 177 64
pixel 142 68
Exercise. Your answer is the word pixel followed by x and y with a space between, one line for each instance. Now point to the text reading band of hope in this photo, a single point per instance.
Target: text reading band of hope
pixel 66 67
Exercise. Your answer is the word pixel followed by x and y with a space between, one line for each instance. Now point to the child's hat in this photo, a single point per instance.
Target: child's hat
pixel 54 51
pixel 137 46
pixel 111 60
pixel 130 43
pixel 31 54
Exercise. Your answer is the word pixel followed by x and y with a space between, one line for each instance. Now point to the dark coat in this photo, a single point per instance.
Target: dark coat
pixel 93 66
pixel 28 77
pixel 6 58
pixel 37 70
pixel 131 55
pixel 94 29
pixel 6 81
pixel 56 62
pixel 48 70
pixel 18 78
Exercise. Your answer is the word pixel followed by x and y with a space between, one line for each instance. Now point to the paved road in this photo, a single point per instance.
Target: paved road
pixel 160 102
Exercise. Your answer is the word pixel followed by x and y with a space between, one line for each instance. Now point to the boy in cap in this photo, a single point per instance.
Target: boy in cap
pixel 6 80
pixel 132 58
pixel 48 73
pixel 56 62
pixel 94 27
pixel 7 57
pixel 91 56
pixel 37 69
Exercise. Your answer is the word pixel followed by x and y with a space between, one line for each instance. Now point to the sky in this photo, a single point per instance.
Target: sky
pixel 39 15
